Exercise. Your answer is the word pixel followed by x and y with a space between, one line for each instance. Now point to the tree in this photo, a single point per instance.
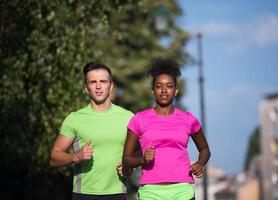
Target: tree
pixel 43 47
pixel 253 147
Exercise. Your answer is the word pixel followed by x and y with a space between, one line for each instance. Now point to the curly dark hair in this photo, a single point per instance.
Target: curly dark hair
pixel 164 66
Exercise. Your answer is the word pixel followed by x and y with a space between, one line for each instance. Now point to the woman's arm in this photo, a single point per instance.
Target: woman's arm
pixel 131 159
pixel 204 154
pixel 130 147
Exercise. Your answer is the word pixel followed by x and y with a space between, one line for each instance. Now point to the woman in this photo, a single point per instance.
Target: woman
pixel 163 133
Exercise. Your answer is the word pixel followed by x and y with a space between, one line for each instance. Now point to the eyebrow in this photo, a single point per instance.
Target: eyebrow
pixel 172 82
pixel 102 80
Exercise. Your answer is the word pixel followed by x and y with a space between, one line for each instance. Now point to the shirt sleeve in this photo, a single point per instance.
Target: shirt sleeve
pixel 195 124
pixel 67 128
pixel 133 125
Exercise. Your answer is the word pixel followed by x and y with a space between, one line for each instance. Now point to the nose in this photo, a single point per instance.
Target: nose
pixel 164 89
pixel 98 85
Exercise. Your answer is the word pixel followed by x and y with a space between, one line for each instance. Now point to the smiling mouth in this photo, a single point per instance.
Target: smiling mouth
pixel 164 96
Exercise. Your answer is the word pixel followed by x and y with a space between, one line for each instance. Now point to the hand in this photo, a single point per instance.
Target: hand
pixel 85 153
pixel 122 171
pixel 149 155
pixel 197 170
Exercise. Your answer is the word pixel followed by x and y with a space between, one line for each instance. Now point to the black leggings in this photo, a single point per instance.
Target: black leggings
pixel 77 196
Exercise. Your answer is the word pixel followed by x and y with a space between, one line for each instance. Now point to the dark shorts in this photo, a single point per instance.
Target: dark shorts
pixel 76 196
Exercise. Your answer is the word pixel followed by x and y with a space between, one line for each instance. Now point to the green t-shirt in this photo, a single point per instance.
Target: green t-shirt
pixel 107 130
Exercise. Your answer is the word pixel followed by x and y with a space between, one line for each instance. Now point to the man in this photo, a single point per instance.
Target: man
pixel 97 133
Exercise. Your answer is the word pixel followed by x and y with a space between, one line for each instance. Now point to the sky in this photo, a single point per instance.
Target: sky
pixel 240 61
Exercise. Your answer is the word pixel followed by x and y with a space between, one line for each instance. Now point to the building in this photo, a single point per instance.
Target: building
pixel 217 182
pixel 269 146
pixel 250 182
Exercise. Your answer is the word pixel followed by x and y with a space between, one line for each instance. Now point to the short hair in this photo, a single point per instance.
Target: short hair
pixel 94 66
pixel 164 66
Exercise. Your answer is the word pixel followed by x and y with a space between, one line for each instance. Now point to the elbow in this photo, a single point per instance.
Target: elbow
pixel 208 154
pixel 52 161
pixel 127 162
pixel 205 154
pixel 124 162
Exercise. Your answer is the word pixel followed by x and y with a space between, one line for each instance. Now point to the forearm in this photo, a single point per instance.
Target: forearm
pixel 204 156
pixel 60 158
pixel 133 162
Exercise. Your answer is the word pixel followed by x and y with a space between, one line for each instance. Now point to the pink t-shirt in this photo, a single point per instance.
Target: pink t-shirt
pixel 169 136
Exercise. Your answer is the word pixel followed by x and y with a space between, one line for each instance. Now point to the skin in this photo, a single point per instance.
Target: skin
pixel 164 91
pixel 98 85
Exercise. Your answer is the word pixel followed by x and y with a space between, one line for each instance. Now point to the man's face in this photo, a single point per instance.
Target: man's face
pixel 98 85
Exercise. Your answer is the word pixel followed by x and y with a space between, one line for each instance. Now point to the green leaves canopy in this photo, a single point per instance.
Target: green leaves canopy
pixel 44 46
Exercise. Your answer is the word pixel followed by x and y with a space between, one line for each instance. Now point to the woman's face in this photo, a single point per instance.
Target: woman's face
pixel 164 90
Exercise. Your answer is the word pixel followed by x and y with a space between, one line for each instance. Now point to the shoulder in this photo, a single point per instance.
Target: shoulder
pixel 188 116
pixel 119 109
pixel 82 110
pixel 184 113
pixel 142 116
pixel 144 113
pixel 73 115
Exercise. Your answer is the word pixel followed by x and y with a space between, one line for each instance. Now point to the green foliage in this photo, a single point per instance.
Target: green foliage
pixel 43 48
pixel 253 147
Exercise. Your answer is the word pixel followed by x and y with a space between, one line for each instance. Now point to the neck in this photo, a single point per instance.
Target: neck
pixel 103 107
pixel 164 111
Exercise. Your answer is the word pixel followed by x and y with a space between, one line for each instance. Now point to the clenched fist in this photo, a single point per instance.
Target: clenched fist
pixel 197 170
pixel 149 155
pixel 85 153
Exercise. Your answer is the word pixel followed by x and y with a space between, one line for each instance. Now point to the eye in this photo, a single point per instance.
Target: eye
pixel 91 82
pixel 104 81
pixel 170 86
pixel 157 86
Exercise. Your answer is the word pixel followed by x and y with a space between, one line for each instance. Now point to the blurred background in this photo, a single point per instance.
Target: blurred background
pixel 44 46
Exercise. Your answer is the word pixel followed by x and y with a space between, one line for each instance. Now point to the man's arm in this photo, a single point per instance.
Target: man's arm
pixel 60 157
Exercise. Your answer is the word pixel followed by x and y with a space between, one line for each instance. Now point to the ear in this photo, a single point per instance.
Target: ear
pixel 112 86
pixel 176 92
pixel 86 90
